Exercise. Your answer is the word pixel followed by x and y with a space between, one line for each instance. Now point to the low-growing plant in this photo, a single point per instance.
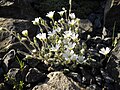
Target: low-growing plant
pixel 59 41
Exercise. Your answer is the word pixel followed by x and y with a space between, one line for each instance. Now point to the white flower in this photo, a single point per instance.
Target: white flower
pixel 66 40
pixel 51 33
pixel 81 59
pixel 56 48
pixel 104 51
pixel 36 21
pixel 74 36
pixel 50 14
pixel 25 32
pixel 67 34
pixel 72 15
pixel 61 13
pixel 58 29
pixel 82 51
pixel 67 54
pixel 70 45
pixel 64 9
pixel 72 22
pixel 74 57
pixel 59 42
pixel 61 20
pixel 41 36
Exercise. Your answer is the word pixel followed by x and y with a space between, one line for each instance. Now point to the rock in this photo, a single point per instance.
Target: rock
pixel 14 64
pixel 96 20
pixel 87 79
pixel 75 76
pixel 4 86
pixel 18 25
pixel 25 71
pixel 85 25
pixel 116 52
pixel 9 57
pixel 7 23
pixel 112 16
pixel 92 17
pixel 58 81
pixel 106 77
pixel 113 66
pixel 97 23
pixel 34 75
pixel 5 40
pixel 93 87
pixel 41 66
pixel 32 62
pixel 18 9
pixel 1 71
pixel 13 75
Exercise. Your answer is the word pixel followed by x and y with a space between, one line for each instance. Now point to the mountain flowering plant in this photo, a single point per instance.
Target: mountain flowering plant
pixel 60 42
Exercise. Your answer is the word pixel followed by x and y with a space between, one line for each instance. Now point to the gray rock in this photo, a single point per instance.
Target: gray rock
pixel 34 75
pixel 42 67
pixel 116 52
pixel 25 71
pixel 93 87
pixel 87 78
pixel 97 23
pixel 13 75
pixel 5 40
pixel 58 81
pixel 92 17
pixel 9 57
pixel 75 76
pixel 113 66
pixel 18 25
pixel 32 62
pixel 113 15
pixel 86 25
pixel 14 64
pixel 1 71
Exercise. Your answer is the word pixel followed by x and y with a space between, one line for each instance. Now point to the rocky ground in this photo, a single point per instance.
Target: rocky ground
pixel 35 74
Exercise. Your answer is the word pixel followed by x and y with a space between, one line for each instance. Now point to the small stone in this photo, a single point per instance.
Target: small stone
pixel 75 76
pixel 99 80
pixel 13 75
pixel 58 81
pixel 34 75
pixel 8 58
pixel 86 25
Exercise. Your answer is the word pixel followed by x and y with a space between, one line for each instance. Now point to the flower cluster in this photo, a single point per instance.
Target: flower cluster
pixel 61 42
